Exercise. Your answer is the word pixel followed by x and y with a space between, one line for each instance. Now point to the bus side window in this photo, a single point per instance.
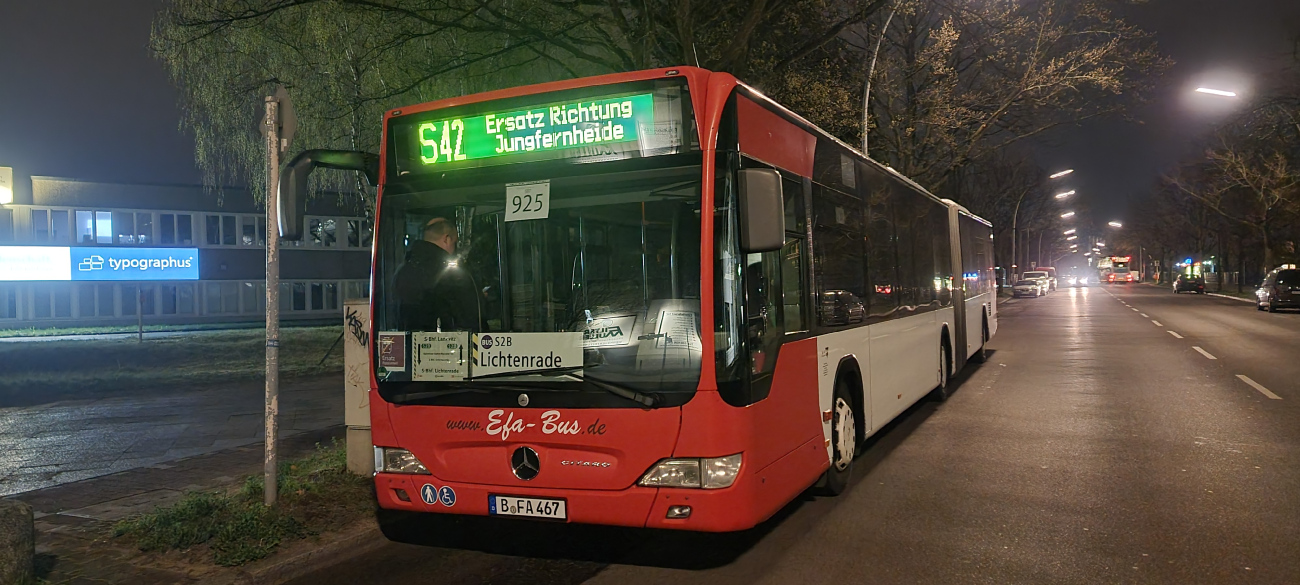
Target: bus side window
pixel 792 266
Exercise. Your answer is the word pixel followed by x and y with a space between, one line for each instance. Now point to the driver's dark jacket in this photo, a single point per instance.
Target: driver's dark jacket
pixel 430 287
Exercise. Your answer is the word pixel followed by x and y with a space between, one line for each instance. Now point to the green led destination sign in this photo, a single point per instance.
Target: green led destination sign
pixel 551 127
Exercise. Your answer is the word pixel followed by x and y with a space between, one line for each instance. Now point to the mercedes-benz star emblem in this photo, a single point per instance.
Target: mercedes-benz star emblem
pixel 523 400
pixel 525 463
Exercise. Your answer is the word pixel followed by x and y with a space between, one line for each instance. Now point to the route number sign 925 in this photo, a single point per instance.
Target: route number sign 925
pixel 526 201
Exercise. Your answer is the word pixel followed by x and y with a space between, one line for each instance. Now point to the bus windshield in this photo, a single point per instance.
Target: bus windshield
pixel 567 286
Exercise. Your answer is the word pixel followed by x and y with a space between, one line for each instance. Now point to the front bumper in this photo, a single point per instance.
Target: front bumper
pixel 722 510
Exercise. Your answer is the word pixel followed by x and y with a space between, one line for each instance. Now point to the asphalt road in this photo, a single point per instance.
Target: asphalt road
pixel 1093 447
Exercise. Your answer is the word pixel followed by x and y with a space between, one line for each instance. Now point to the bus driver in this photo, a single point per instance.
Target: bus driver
pixel 435 292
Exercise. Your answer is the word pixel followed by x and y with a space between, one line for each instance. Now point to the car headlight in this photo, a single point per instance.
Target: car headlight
pixel 710 474
pixel 393 460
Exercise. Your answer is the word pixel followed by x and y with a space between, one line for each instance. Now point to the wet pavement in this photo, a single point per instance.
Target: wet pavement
pixel 58 443
pixel 1093 447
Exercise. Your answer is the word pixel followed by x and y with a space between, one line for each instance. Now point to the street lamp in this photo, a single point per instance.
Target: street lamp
pixel 1060 174
pixel 1218 92
pixel 1068 232
pixel 1115 224
pixel 1064 195
pixel 1072 238
pixel 1067 215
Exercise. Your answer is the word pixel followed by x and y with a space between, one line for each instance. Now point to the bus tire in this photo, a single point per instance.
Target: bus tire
pixel 940 392
pixel 981 354
pixel 844 442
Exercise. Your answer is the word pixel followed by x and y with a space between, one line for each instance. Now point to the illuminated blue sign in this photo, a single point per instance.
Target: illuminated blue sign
pixel 58 263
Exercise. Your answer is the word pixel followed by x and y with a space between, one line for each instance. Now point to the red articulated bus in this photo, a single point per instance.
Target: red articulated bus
pixel 693 304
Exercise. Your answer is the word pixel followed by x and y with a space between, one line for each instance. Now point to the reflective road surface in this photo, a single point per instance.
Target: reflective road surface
pixel 1095 446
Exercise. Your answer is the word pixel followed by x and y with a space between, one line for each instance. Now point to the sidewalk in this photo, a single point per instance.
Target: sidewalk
pixel 74 521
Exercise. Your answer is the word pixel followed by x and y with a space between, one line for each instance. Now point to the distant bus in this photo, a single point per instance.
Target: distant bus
pixel 695 304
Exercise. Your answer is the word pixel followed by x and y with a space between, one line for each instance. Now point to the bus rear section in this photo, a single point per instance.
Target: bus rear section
pixel 572 320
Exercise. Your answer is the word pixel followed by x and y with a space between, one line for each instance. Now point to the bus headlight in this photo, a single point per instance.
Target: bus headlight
pixel 710 474
pixel 392 460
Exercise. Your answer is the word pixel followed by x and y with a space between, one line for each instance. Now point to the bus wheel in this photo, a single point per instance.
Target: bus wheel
pixel 940 392
pixel 844 443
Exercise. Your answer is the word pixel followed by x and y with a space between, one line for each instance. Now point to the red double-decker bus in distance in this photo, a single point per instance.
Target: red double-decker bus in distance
pixel 692 304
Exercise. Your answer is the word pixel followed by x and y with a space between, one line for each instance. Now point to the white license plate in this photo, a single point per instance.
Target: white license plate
pixel 530 507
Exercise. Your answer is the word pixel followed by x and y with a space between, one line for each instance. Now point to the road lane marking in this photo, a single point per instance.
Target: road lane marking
pixel 1157 323
pixel 1175 335
pixel 1258 386
pixel 1204 353
pixel 1146 315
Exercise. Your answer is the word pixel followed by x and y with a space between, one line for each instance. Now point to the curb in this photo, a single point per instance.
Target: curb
pixel 361 538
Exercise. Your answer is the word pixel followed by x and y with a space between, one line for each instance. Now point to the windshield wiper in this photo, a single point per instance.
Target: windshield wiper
pixel 649 401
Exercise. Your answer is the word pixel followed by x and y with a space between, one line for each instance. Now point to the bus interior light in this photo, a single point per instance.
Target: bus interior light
pixel 390 460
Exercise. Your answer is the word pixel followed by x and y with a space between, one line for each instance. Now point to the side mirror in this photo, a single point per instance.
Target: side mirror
pixel 762 211
pixel 292 195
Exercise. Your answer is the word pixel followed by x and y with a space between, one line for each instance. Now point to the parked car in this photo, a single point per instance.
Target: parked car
pixel 1120 275
pixel 1281 289
pixel 841 307
pixel 1027 288
pixel 1185 283
pixel 1042 277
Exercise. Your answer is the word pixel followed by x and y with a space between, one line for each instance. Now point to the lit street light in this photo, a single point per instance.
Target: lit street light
pixel 1099 244
pixel 1072 238
pixel 1060 174
pixel 1115 224
pixel 1068 232
pixel 1218 92
pixel 1064 195
pixel 1067 214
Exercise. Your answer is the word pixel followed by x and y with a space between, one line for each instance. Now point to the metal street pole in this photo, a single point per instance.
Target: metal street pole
pixel 871 71
pixel 270 463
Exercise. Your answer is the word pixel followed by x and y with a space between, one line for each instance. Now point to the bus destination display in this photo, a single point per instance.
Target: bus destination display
pixel 550 127
pixel 608 127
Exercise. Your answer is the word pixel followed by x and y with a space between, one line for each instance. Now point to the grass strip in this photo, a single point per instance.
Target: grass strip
pixel 317 495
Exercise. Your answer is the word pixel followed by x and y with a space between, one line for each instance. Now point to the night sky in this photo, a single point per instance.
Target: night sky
pixel 81 97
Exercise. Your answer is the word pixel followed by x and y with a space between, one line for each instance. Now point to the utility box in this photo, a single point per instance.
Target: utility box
pixel 356 385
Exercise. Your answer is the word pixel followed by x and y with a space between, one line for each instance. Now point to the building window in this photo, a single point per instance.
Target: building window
pixel 332 296
pixel 104 299
pixel 254 296
pixel 184 230
pixel 228 237
pixel 124 223
pixel 103 227
pixel 317 296
pixel 41 301
pixel 185 299
pixel 85 300
pixel 59 226
pixel 212 298
pixel 300 296
pixel 166 228
pixel 214 230
pixel 62 301
pixel 144 228
pixel 356 289
pixel 8 302
pixel 252 230
pixel 129 299
pixel 6 225
pixel 40 225
pixel 85 227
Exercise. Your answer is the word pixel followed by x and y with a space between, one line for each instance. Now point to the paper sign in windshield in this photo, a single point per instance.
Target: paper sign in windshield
pixel 528 200
pixel 439 357
pixel 392 350
pixel 608 332
pixel 506 353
